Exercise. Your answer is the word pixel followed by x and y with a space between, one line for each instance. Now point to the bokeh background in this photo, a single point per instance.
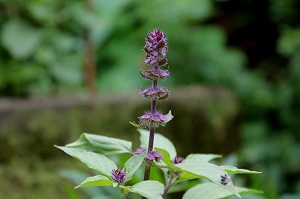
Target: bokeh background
pixel 56 55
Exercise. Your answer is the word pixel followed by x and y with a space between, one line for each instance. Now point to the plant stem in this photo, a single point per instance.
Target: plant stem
pixel 151 137
pixel 168 185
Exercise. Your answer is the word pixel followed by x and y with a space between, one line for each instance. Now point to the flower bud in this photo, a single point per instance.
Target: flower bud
pixel 118 175
pixel 156 48
pixel 178 160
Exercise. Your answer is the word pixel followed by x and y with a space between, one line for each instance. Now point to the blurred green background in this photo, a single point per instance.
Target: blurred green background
pixel 251 47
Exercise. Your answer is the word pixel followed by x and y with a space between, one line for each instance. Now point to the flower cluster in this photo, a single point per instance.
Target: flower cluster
pixel 154 74
pixel 151 155
pixel 157 93
pixel 118 175
pixel 156 50
pixel 155 119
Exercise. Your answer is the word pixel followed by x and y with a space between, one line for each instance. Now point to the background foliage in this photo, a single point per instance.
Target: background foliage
pixel 251 47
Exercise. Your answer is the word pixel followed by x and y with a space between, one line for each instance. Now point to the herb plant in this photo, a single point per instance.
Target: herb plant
pixel 155 150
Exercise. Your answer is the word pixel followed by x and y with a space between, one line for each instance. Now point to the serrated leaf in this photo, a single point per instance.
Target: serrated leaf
pixel 102 144
pixel 160 141
pixel 98 180
pixel 208 171
pixel 235 170
pixel 133 164
pixel 149 189
pixel 213 191
pixel 93 160
pixel 200 158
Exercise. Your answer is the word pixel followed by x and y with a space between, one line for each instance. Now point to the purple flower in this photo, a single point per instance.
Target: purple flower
pixel 154 74
pixel 155 119
pixel 178 160
pixel 154 155
pixel 157 93
pixel 156 48
pixel 118 175
pixel 139 150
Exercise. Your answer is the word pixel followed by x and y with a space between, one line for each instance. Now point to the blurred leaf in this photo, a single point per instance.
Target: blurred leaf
pixel 19 38
pixel 289 41
pixel 175 11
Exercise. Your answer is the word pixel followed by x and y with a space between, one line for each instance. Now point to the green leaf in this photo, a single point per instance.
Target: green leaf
pixel 93 160
pixel 166 156
pixel 102 144
pixel 235 170
pixel 200 158
pixel 149 189
pixel 208 171
pixel 160 141
pixel 133 164
pixel 213 191
pixel 19 38
pixel 136 125
pixel 98 180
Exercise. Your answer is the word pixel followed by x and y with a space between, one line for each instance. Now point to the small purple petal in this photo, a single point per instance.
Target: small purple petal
pixel 139 151
pixel 150 156
pixel 157 154
pixel 154 155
